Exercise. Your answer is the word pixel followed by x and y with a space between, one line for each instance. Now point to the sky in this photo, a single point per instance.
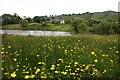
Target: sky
pixel 31 8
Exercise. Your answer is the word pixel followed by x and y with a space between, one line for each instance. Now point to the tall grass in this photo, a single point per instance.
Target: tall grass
pixel 85 56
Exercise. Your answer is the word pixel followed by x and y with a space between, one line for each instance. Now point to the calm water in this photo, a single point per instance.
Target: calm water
pixel 35 32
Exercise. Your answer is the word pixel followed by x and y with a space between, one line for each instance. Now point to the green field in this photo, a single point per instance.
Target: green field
pixel 37 26
pixel 84 56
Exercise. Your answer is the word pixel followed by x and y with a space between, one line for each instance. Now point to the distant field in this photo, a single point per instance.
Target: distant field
pixel 84 56
pixel 37 26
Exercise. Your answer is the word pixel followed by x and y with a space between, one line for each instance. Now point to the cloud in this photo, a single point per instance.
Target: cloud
pixel 55 7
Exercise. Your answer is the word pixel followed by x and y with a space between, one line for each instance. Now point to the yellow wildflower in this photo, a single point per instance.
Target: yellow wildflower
pixel 75 63
pixel 82 70
pixel 111 61
pixel 64 73
pixel 17 54
pixel 9 46
pixel 18 65
pixel 58 64
pixel 2 68
pixel 87 67
pixel 37 55
pixel 3 61
pixel 52 68
pixel 106 55
pixel 14 59
pixel 53 65
pixel 103 55
pixel 5 73
pixel 39 62
pixel 69 69
pixel 72 73
pixel 83 65
pixel 27 72
pixel 13 74
pixel 26 58
pixel 93 53
pixel 17 69
pixel 35 68
pixel 2 52
pixel 95 60
pixel 3 48
pixel 43 63
pixel 42 72
pixel 32 76
pixel 78 69
pixel 38 70
pixel 6 52
pixel 68 66
pixel 117 51
pixel 43 76
pixel 95 70
pixel 104 71
pixel 27 76
pixel 65 50
pixel 56 72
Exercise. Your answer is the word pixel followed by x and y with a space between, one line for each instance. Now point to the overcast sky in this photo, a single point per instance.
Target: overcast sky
pixel 55 7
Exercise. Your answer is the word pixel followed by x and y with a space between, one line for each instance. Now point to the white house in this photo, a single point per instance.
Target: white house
pixel 60 20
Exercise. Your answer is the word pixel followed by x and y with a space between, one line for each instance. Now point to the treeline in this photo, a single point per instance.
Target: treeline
pixel 99 22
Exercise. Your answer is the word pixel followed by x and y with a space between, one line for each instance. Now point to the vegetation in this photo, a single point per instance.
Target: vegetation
pixel 85 56
pixel 39 26
pixel 103 23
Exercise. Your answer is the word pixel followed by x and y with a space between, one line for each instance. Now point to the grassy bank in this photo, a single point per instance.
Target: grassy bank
pixel 38 26
pixel 85 56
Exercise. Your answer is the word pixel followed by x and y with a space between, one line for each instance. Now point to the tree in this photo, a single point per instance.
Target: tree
pixel 104 28
pixel 24 22
pixel 79 25
pixel 16 18
pixel 29 19
pixel 10 19
pixel 37 19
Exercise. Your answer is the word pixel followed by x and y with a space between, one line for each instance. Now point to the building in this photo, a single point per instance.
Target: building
pixel 58 21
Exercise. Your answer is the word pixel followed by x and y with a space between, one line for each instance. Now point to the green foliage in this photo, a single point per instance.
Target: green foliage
pixel 79 25
pixel 44 24
pixel 104 28
pixel 24 22
pixel 37 19
pixel 10 19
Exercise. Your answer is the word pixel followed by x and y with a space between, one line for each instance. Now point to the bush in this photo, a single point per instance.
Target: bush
pixel 104 28
pixel 44 24
pixel 79 26
pixel 24 22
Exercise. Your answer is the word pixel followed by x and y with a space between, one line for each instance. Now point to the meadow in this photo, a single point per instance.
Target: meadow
pixel 38 26
pixel 84 56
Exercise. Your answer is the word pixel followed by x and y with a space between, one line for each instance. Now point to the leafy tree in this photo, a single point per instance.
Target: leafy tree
pixel 104 28
pixel 10 19
pixel 29 20
pixel 24 22
pixel 37 19
pixel 16 18
pixel 44 24
pixel 79 25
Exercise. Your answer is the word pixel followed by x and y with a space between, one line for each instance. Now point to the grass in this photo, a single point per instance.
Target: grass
pixel 12 27
pixel 84 56
pixel 58 27
pixel 37 26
